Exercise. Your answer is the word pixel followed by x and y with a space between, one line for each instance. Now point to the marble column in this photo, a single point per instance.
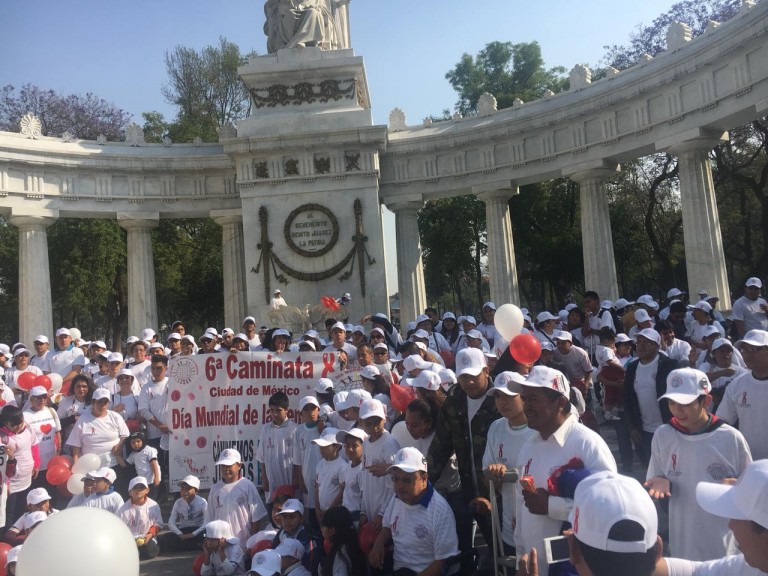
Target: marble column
pixel 596 239
pixel 142 297
pixel 35 308
pixel 233 257
pixel 704 256
pixel 502 270
pixel 410 271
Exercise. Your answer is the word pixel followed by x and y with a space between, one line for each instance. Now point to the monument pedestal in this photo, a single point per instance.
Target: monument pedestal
pixel 307 172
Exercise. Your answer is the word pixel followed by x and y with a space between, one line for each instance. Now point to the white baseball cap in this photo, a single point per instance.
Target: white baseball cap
pixel 104 472
pixel 409 460
pixel 507 383
pixel 720 342
pixel 126 372
pixel 709 330
pixel 621 338
pixel 370 372
pixel 606 304
pixel 490 305
pixel 427 379
pixel 339 326
pixel 38 391
pixel 421 334
pixel 41 338
pixel 702 305
pixel 227 331
pixel 249 319
pixel 546 377
pixel 621 303
pixel 754 282
pixel 100 394
pixel 216 529
pixel 756 338
pixel 328 437
pixel 563 335
pixel 358 433
pixel 191 481
pixel 684 385
pixel 292 505
pixel 470 361
pixel 470 319
pixel 147 334
pixel 228 457
pixel 115 357
pixel 63 332
pixel 323 384
pixel 673 292
pixel 544 316
pixel 340 400
pixel 447 377
pixel 650 334
pixel 474 333
pixel 20 351
pixel 265 563
pixel 547 345
pixel 356 397
pixel 37 495
pixel 747 500
pixel 449 316
pixel 290 547
pixel 415 362
pixel 281 332
pixel 372 407
pixel 647 300
pixel 308 400
pixel 139 480
pixel 641 315
pixel 605 498
pixel 421 318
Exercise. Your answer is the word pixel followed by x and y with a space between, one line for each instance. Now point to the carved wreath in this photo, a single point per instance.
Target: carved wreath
pixel 304 92
pixel 311 208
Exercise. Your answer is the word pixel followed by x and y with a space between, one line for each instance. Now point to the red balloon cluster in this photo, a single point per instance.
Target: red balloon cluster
pixel 330 303
pixel 28 380
pixel 59 470
pixel 400 396
pixel 525 348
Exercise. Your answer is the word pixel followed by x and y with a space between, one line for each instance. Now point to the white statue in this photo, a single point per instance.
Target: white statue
pixel 299 23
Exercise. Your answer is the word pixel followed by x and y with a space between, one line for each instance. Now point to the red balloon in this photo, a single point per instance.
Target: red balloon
pixel 57 474
pixel 133 425
pixel 3 556
pixel 26 381
pixel 525 348
pixel 366 538
pixel 197 565
pixel 65 461
pixel 43 381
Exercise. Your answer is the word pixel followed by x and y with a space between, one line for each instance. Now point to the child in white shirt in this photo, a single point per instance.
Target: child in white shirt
pixel 144 459
pixel 275 449
pixel 222 554
pixel 143 517
pixel 379 451
pixel 187 521
pixel 327 485
pixel 693 447
pixel 350 476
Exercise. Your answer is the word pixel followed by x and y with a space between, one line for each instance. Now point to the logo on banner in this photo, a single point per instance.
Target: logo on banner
pixel 184 370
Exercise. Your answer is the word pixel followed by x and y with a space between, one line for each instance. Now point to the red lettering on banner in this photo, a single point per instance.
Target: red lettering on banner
pixel 329 358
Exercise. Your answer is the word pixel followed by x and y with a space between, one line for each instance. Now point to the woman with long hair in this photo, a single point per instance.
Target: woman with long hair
pixel 343 556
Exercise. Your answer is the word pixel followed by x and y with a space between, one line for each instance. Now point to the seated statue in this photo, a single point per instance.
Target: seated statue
pixel 299 23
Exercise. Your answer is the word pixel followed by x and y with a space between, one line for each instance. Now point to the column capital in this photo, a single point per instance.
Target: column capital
pixel 31 222
pixel 696 140
pixel 138 220
pixel 501 194
pixel 224 217
pixel 594 171
pixel 410 204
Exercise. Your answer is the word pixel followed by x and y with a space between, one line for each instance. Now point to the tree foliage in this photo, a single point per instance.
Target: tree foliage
pixel 84 116
pixel 507 71
pixel 205 87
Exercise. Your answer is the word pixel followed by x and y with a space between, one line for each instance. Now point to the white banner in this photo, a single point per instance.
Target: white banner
pixel 219 401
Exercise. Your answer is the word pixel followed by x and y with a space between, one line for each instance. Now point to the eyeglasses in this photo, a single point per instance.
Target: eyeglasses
pixel 403 479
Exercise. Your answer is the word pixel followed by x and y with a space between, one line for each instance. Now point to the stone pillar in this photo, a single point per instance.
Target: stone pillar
pixel 502 270
pixel 233 257
pixel 142 297
pixel 35 308
pixel 596 239
pixel 704 256
pixel 410 271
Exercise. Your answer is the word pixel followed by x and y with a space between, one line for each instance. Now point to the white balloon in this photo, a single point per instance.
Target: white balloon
pixel 86 463
pixel 508 321
pixel 56 382
pixel 75 484
pixel 110 547
pixel 75 334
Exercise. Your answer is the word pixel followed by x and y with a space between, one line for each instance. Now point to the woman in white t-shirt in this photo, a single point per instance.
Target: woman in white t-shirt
pixel 125 401
pixel 45 423
pixel 99 431
pixel 75 404
pixel 22 446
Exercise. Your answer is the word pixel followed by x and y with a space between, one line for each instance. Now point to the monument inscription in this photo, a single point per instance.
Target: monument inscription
pixel 311 230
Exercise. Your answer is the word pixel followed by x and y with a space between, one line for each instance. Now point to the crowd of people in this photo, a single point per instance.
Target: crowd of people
pixel 367 484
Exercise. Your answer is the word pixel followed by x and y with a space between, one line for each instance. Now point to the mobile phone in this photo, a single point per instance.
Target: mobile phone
pixel 527 484
pixel 556 549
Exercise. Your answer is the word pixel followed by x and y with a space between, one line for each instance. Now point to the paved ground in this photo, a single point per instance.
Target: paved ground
pixel 181 564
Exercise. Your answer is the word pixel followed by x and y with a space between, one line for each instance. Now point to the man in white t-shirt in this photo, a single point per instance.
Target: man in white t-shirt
pixel 277 300
pixel 575 361
pixel 561 442
pixel 418 520
pixel 750 312
pixel 746 398
pixel 68 359
pixel 595 319
pixel 40 359
pixel 746 506
pixel 339 342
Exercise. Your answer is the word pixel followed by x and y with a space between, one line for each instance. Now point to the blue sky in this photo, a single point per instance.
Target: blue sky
pixel 115 48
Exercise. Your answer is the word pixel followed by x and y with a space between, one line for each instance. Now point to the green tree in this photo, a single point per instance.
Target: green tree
pixel 507 71
pixel 205 87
